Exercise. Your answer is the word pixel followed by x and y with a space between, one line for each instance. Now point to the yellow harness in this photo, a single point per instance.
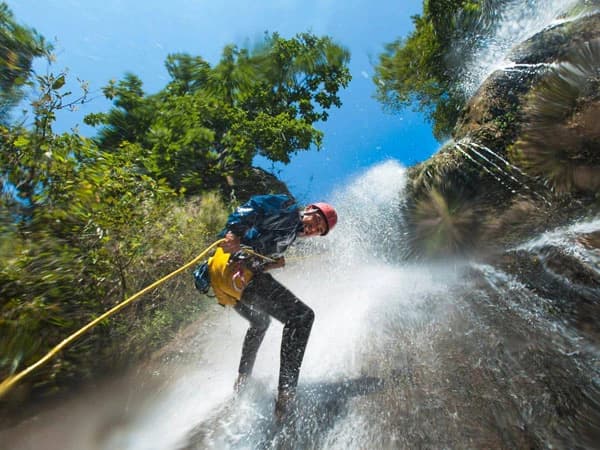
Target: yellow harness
pixel 227 278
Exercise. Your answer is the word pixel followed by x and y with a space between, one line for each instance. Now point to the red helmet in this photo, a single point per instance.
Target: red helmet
pixel 329 214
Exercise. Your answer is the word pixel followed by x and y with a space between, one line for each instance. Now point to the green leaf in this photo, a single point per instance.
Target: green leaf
pixel 58 83
pixel 21 142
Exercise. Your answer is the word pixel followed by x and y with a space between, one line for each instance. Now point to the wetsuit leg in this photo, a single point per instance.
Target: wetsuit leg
pixel 266 294
pixel 259 323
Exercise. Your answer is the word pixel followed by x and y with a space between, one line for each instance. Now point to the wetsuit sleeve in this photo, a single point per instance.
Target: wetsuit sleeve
pixel 267 223
pixel 243 218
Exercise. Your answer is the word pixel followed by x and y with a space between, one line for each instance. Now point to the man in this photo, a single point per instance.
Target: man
pixel 268 224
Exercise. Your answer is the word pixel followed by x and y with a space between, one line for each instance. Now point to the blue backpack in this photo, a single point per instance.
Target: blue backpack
pixel 202 278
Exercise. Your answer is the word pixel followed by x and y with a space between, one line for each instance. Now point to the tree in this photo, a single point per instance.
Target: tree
pixel 83 226
pixel 207 125
pixel 130 120
pixel 188 73
pixel 19 46
pixel 418 71
pixel 72 226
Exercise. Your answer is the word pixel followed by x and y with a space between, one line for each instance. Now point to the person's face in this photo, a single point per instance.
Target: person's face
pixel 314 223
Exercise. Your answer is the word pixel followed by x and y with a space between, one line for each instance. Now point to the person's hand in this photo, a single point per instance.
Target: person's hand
pixel 231 244
pixel 276 264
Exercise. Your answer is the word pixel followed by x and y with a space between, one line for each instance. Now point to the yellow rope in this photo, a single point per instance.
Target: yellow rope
pixel 266 258
pixel 7 384
pixel 251 252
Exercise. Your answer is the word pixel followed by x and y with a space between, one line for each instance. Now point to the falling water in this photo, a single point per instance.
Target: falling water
pixel 500 169
pixel 516 22
pixel 501 177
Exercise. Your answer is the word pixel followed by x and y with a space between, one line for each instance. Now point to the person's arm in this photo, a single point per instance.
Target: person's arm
pixel 244 217
pixel 241 220
pixel 251 222
pixel 279 262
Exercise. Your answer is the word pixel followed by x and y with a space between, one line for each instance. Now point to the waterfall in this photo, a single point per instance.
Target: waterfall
pixel 512 23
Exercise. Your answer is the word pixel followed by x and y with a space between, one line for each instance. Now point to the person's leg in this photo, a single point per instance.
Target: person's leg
pixel 268 295
pixel 259 323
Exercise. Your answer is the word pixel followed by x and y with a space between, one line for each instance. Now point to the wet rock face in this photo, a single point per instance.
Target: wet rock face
pixel 569 286
pixel 492 116
pixel 557 43
pixel 497 105
pixel 530 135
pixel 524 159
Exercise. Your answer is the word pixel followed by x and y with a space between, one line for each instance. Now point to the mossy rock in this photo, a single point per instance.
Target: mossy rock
pixel 486 168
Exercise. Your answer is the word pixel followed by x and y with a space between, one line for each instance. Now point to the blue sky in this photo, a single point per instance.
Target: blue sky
pixel 102 40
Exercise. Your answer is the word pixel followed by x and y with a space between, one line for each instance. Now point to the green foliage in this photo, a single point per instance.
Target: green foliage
pixel 65 259
pixel 209 123
pixel 131 118
pixel 181 232
pixel 416 72
pixel 19 45
pixel 70 231
pixel 188 73
pixel 34 163
pixel 180 149
pixel 86 223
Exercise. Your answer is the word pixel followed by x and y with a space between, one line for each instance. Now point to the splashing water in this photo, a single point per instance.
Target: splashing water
pixel 518 21
pixel 369 216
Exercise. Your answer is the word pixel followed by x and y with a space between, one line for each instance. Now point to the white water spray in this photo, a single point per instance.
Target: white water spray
pixel 519 20
pixel 350 289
